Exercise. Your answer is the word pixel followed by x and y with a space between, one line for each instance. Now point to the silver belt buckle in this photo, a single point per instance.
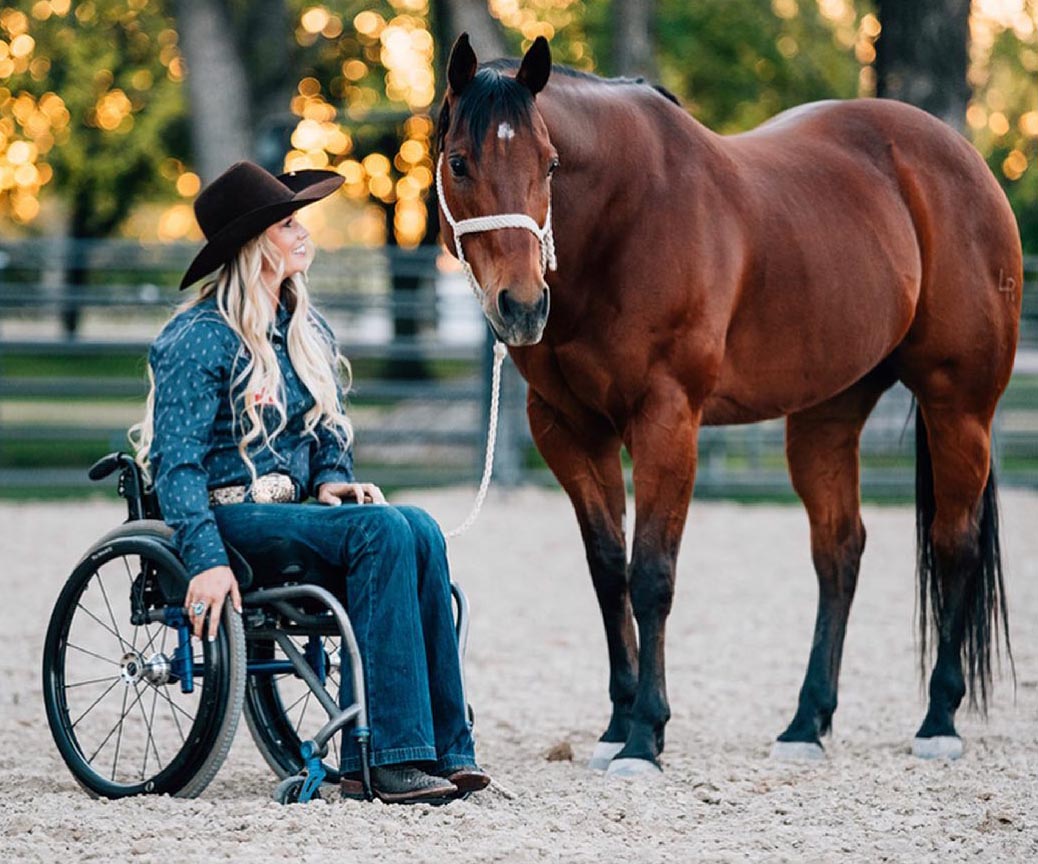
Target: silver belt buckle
pixel 273 489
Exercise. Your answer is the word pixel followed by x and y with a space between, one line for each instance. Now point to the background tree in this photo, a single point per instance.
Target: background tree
pixel 922 56
pixel 217 85
pixel 633 40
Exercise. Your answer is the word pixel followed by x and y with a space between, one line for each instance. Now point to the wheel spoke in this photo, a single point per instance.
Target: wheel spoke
pixel 173 714
pixel 119 737
pixel 91 681
pixel 93 704
pixel 92 654
pixel 302 714
pixel 122 641
pixel 147 724
pixel 173 704
pixel 104 594
pixel 118 726
pixel 288 710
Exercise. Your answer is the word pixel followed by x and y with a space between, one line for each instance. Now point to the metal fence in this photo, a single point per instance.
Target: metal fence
pixel 76 319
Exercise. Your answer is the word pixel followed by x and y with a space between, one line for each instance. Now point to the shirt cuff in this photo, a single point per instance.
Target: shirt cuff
pixel 330 475
pixel 204 552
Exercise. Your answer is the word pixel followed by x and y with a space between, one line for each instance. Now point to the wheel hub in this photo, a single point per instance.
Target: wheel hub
pixel 133 668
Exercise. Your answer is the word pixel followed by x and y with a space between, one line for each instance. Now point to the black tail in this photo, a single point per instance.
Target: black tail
pixel 984 603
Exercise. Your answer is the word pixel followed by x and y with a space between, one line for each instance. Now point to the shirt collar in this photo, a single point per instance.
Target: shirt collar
pixel 279 327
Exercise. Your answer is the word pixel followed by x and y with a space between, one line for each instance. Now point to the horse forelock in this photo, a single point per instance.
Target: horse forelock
pixel 490 98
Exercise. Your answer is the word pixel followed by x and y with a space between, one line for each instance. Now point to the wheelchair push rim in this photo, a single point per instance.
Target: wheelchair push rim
pixel 113 695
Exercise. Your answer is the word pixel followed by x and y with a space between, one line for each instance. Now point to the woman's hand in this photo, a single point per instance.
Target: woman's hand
pixel 211 587
pixel 335 493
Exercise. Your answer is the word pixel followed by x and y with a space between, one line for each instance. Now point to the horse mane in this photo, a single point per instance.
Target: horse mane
pixel 492 96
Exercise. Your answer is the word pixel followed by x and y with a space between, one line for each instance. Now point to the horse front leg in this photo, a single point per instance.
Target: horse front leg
pixel 588 467
pixel 662 439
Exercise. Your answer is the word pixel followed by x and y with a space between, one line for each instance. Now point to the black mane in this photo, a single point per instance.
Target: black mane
pixel 494 97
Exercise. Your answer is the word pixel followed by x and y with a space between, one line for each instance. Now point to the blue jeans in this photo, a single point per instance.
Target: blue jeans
pixel 389 564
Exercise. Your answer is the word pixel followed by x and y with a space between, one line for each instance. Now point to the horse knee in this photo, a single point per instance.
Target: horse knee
pixel 652 588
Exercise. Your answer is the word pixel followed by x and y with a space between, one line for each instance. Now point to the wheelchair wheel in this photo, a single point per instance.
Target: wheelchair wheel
pixel 114 703
pixel 281 712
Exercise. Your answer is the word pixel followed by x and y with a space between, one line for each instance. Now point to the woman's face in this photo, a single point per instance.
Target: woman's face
pixel 290 239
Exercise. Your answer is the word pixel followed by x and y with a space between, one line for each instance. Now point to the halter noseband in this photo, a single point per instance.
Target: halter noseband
pixel 477 224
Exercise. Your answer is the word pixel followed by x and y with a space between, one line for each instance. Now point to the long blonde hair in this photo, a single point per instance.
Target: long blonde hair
pixel 314 355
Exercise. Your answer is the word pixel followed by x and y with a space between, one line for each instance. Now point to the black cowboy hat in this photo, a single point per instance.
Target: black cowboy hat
pixel 245 200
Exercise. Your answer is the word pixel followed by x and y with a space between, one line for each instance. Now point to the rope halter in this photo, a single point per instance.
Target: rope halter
pixel 478 224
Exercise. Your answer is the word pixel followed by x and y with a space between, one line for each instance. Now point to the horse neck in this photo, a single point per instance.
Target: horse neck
pixel 620 147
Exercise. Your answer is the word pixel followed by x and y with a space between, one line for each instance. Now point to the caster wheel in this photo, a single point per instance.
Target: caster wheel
pixel 287 791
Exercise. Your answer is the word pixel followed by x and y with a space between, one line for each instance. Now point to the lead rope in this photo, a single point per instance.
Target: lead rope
pixel 488 462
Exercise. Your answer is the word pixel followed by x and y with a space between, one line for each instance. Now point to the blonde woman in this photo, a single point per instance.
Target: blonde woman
pixel 245 421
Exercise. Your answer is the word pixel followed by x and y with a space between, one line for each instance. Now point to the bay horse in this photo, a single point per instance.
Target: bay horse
pixel 797 270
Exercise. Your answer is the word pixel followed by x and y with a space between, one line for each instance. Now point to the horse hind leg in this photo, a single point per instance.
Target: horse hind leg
pixel 961 596
pixel 822 451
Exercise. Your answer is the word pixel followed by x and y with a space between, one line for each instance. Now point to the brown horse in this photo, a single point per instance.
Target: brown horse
pixel 796 270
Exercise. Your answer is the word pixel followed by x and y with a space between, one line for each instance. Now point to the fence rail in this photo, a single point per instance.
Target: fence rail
pixel 421 392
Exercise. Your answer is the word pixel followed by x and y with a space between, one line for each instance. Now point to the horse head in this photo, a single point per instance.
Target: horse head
pixel 493 177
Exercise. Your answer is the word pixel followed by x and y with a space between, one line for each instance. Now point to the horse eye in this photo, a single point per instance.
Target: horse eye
pixel 457 165
pixel 553 166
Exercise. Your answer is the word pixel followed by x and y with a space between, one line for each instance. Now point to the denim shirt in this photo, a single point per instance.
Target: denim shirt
pixel 194 449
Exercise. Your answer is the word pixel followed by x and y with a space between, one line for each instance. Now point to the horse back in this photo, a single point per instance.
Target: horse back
pixel 861 211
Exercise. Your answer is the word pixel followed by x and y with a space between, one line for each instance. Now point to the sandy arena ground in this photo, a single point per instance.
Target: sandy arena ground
pixel 737 644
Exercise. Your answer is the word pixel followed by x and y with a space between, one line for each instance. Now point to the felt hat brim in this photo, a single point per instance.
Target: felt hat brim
pixel 309 187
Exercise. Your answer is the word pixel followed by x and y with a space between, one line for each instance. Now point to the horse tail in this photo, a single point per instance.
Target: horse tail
pixel 985 612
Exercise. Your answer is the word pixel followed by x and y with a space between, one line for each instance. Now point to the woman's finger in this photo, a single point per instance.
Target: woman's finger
pixel 214 618
pixel 358 492
pixel 327 496
pixel 197 621
pixel 376 494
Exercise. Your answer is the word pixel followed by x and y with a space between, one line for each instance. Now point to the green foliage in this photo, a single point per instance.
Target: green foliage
pixel 123 51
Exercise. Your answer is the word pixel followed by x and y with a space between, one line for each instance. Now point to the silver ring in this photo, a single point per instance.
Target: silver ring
pixel 198 608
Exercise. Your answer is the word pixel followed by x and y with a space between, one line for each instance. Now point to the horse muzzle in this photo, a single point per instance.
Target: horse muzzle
pixel 517 323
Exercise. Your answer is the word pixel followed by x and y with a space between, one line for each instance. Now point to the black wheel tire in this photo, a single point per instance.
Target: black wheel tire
pixel 204 746
pixel 272 729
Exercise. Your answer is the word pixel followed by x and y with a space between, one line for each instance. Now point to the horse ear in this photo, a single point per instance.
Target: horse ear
pixel 536 66
pixel 461 68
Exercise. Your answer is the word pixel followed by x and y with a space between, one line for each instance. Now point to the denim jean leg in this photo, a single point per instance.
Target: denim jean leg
pixel 454 745
pixel 373 548
pixel 381 595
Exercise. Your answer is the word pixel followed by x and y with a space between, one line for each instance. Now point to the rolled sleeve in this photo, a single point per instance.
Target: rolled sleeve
pixel 331 462
pixel 188 383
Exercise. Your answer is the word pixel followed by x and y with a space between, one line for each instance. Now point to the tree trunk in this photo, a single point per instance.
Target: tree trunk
pixel 269 55
pixel 217 87
pixel 454 17
pixel 922 56
pixel 632 38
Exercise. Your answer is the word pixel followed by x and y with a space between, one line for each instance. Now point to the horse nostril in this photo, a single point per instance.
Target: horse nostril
pixel 504 305
pixel 542 304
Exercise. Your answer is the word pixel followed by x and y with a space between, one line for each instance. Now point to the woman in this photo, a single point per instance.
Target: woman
pixel 244 420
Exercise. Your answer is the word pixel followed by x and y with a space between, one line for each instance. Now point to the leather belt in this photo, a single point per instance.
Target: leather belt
pixel 268 489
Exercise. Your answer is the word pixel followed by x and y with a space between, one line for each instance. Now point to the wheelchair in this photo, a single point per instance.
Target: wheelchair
pixel 136 705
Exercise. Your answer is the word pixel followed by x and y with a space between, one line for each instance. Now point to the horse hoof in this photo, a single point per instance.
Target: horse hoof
pixel 633 768
pixel 797 751
pixel 603 754
pixel 938 747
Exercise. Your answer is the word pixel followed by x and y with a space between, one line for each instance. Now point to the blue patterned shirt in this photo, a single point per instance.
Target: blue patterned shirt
pixel 194 449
